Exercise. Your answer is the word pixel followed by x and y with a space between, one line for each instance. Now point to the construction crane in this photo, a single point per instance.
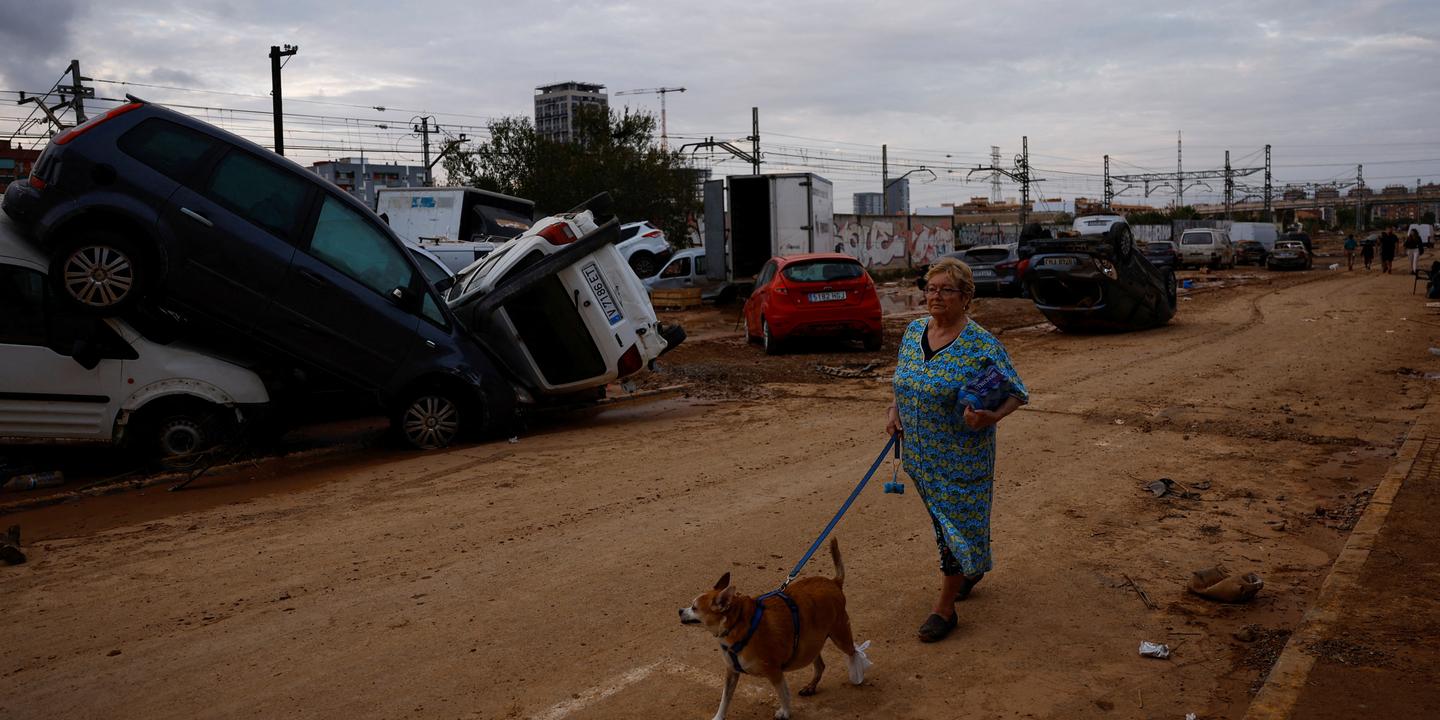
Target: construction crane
pixel 664 138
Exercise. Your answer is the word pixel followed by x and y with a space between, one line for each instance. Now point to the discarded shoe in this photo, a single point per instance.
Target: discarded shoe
pixel 936 628
pixel 1217 584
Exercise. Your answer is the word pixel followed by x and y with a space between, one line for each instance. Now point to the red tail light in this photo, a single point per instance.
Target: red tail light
pixel 37 182
pixel 91 124
pixel 630 362
pixel 558 234
pixel 653 233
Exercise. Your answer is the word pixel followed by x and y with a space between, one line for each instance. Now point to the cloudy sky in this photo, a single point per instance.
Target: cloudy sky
pixel 1327 84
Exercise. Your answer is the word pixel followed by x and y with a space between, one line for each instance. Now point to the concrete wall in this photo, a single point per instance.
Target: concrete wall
pixel 882 242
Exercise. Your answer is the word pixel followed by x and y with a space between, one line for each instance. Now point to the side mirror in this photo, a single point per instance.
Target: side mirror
pixel 86 353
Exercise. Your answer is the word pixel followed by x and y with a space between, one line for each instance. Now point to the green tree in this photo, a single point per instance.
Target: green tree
pixel 611 152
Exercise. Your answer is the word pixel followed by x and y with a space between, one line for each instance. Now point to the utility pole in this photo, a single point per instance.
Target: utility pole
pixel 1109 187
pixel 78 91
pixel 755 140
pixel 1179 171
pixel 1269 212
pixel 275 54
pixel 1229 189
pixel 661 91
pixel 424 129
pixel 884 179
pixel 1024 165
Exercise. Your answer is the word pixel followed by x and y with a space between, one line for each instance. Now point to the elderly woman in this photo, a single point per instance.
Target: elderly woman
pixel 949 432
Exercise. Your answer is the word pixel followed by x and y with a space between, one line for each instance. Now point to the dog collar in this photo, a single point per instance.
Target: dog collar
pixel 735 649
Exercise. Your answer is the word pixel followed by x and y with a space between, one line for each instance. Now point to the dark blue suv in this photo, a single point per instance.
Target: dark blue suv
pixel 143 207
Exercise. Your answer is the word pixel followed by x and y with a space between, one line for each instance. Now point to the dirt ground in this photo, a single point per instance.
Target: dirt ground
pixel 541 577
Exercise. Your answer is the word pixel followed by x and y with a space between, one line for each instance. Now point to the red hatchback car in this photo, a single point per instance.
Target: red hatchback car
pixel 819 295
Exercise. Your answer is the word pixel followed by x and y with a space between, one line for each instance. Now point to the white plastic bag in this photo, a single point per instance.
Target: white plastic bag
pixel 859 663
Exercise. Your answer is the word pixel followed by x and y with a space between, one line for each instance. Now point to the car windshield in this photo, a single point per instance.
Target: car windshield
pixel 1289 245
pixel 987 255
pixel 469 279
pixel 1200 238
pixel 823 271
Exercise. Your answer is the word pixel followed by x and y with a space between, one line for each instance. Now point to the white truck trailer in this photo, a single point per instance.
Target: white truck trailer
pixel 769 215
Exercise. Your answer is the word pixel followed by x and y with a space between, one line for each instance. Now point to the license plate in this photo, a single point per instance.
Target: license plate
pixel 827 296
pixel 602 293
pixel 1057 261
pixel 984 273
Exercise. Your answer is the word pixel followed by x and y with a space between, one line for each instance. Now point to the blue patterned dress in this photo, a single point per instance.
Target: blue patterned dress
pixel 952 466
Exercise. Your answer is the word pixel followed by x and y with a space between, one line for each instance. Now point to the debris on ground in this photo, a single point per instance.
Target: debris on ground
pixel 10 546
pixel 1144 597
pixel 1345 652
pixel 1217 583
pixel 1166 486
pixel 866 370
pixel 32 481
pixel 1345 517
pixel 1155 650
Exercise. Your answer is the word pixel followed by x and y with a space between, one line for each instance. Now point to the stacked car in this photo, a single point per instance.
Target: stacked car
pixel 1093 279
pixel 143 210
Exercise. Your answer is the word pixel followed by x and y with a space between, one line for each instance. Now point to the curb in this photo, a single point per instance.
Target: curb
pixel 1287 679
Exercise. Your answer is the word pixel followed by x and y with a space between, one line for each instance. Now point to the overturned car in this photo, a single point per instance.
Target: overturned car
pixel 1093 279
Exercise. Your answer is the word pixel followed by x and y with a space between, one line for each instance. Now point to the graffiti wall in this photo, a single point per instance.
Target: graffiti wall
pixel 886 242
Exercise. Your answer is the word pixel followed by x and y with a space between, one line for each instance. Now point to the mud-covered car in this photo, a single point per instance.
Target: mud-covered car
pixel 1289 254
pixel 1250 252
pixel 1092 278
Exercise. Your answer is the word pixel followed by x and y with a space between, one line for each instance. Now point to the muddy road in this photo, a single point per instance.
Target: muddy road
pixel 541 578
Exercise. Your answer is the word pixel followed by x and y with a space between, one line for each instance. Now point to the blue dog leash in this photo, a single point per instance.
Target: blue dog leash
pixel 894 440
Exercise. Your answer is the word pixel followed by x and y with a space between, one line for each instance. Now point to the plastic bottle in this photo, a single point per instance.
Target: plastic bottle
pixel 32 481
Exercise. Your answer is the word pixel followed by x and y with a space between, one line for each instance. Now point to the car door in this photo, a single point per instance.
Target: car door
pixel 236 234
pixel 351 300
pixel 754 307
pixel 44 391
pixel 675 275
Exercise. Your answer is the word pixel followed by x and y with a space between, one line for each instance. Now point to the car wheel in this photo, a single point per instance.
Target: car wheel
pixel 99 272
pixel 180 434
pixel 874 342
pixel 644 264
pixel 772 345
pixel 1171 293
pixel 430 420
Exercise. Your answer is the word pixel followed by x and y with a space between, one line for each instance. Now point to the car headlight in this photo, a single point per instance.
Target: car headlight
pixel 1107 267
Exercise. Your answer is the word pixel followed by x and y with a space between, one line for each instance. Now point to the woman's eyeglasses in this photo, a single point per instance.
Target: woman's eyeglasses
pixel 946 291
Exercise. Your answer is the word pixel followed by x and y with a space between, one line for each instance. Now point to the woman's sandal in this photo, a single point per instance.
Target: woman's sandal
pixel 936 628
pixel 969 584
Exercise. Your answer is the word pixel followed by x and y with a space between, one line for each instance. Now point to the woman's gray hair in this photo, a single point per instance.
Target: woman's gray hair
pixel 955 270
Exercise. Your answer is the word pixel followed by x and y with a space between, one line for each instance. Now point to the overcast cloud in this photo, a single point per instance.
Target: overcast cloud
pixel 1328 84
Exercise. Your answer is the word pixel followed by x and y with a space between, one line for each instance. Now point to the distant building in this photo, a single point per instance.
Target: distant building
pixel 1294 194
pixel 1086 205
pixel 869 203
pixel 556 105
pixel 897 197
pixel 15 163
pixel 360 178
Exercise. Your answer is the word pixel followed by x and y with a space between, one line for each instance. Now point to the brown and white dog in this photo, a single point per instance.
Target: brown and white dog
pixel 777 645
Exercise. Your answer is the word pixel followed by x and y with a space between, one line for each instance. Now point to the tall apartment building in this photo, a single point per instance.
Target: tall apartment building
pixel 555 107
pixel 361 178
pixel 869 203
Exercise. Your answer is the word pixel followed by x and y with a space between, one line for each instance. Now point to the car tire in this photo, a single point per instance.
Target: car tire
pixel 874 342
pixel 99 272
pixel 431 418
pixel 1172 293
pixel 645 264
pixel 770 342
pixel 179 433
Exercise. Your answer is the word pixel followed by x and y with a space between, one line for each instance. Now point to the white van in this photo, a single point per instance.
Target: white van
pixel 1206 246
pixel 459 225
pixel 66 377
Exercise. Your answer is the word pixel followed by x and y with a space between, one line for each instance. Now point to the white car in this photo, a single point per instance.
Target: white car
pixel 644 247
pixel 560 307
pixel 67 377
